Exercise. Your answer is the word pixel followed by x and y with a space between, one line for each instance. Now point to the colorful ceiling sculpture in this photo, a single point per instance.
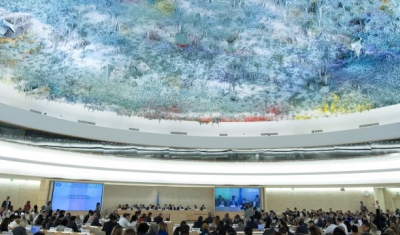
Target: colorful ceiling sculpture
pixel 205 60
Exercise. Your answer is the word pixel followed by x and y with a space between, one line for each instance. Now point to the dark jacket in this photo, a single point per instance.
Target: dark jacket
pixel 19 230
pixel 72 224
pixel 95 222
pixel 302 229
pixel 108 227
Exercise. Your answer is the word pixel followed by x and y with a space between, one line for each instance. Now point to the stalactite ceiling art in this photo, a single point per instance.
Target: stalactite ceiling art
pixel 205 60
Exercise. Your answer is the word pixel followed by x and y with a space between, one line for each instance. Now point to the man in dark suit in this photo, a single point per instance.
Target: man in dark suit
pixel 72 224
pixel 6 205
pixel 148 217
pixel 158 219
pixel 302 227
pixel 109 225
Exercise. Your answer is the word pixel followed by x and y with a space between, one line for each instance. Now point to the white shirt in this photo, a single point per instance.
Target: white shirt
pixel 13 224
pixel 330 228
pixel 344 227
pixel 124 222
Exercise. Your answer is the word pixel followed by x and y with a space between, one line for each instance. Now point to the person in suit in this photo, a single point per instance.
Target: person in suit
pixel 234 202
pixel 6 205
pixel 95 221
pixel 148 217
pixel 158 219
pixel 72 224
pixel 302 227
pixel 220 201
pixel 199 222
pixel 109 225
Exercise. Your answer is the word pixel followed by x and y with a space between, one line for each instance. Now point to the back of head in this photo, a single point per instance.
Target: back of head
pixel 185 229
pixel 154 228
pixel 204 226
pixel 338 231
pixel 113 218
pixel 130 231
pixel 183 222
pixel 313 230
pixel 72 218
pixel 143 228
pixel 248 231
pixel 354 228
pixel 163 226
pixel 231 231
pixel 301 221
pixel 282 230
pixel 117 230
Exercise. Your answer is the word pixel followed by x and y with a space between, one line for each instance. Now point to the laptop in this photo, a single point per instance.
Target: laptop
pixel 34 229
pixel 260 227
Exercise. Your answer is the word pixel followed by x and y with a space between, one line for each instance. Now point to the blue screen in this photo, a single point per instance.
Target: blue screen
pixel 234 199
pixel 76 196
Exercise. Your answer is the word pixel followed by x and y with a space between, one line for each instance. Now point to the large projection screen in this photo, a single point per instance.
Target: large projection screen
pixel 72 196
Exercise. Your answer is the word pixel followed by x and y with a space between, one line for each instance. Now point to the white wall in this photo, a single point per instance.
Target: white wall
pixel 318 198
pixel 20 191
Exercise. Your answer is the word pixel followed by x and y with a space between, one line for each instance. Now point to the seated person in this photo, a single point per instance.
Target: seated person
pixel 199 222
pixel 63 224
pixel 20 228
pixel 109 225
pixel 234 202
pixel 251 223
pixel 96 221
pixel 72 224
pixel 237 220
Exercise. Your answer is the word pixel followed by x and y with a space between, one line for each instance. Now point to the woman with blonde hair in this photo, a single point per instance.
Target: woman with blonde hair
pixel 204 229
pixel 163 229
pixel 117 230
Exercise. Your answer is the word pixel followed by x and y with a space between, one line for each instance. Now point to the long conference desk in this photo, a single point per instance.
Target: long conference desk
pixel 179 215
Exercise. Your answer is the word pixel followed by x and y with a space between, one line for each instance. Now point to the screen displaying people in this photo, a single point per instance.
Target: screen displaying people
pixel 236 199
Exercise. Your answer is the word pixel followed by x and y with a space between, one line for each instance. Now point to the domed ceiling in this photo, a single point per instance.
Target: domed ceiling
pixel 205 60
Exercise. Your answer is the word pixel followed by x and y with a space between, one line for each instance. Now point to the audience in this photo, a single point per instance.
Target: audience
pixel 311 222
